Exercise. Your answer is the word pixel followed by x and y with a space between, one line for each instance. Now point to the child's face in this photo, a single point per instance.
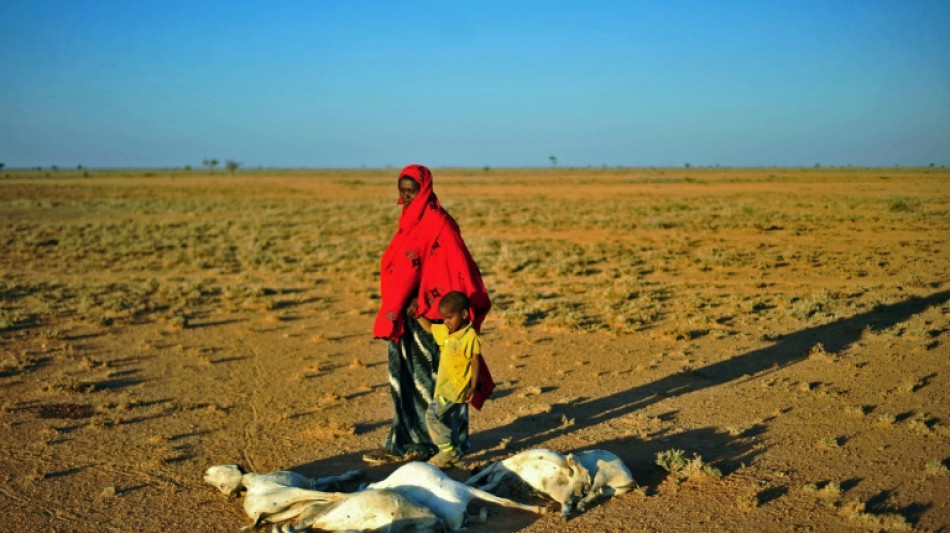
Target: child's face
pixel 454 320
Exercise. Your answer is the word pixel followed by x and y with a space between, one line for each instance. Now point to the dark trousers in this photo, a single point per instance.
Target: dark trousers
pixel 446 421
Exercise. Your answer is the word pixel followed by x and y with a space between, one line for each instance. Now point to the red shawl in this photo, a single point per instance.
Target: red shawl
pixel 426 259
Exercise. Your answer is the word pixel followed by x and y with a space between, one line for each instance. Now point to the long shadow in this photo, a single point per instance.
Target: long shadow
pixel 286 304
pixel 27 367
pixel 533 430
pixel 115 384
pixel 214 323
pixel 716 447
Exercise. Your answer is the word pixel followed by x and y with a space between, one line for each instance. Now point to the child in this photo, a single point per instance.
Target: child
pixel 459 349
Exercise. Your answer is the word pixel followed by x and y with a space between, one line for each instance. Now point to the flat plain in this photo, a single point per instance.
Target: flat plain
pixel 767 349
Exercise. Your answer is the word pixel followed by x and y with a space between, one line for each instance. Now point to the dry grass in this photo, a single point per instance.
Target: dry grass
pixel 196 319
pixel 565 261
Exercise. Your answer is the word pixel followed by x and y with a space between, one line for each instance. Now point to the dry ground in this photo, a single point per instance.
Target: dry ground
pixel 778 337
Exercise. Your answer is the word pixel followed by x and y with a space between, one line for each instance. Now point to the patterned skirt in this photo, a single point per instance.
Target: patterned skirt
pixel 413 364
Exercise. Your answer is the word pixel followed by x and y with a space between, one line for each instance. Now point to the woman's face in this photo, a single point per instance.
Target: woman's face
pixel 408 189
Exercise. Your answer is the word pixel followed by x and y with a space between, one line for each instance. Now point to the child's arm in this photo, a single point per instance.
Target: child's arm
pixel 423 321
pixel 476 365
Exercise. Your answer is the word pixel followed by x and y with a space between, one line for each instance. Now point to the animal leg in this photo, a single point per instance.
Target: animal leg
pixel 505 502
pixel 416 525
pixel 479 518
pixel 253 525
pixel 597 487
pixel 324 482
pixel 291 512
pixel 283 503
pixel 489 472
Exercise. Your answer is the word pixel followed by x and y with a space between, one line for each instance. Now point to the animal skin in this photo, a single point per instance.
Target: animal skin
pixel 274 496
pixel 547 472
pixel 426 485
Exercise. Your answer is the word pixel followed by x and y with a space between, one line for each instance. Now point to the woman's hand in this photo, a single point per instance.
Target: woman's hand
pixel 412 307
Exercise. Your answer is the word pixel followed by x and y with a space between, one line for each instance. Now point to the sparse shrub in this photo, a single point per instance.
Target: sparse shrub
pixel 819 353
pixel 856 511
pixel 671 460
pixel 682 468
pixel 886 419
pixel 936 467
pixel 901 204
pixel 748 499
pixel 909 385
pixel 920 423
pixel 178 322
pixel 819 304
pixel 712 471
pixel 856 410
pixel 831 488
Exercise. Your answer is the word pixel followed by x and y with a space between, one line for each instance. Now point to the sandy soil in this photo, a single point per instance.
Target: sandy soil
pixel 786 330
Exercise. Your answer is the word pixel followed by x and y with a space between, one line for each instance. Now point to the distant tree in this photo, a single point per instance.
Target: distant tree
pixel 231 165
pixel 53 167
pixel 210 163
pixel 3 164
pixel 687 165
pixel 931 165
pixel 187 168
pixel 553 160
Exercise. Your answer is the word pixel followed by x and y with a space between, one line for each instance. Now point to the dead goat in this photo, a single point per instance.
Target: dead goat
pixel 428 486
pixel 274 496
pixel 547 472
pixel 609 476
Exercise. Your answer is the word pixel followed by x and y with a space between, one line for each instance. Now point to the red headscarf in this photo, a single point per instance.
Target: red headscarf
pixel 426 259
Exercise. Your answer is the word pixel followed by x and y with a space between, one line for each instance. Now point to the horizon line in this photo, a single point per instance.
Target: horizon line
pixel 484 168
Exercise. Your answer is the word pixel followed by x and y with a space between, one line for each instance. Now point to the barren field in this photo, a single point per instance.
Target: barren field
pixel 767 349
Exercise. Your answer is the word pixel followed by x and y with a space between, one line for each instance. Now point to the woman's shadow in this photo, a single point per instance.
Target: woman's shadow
pixel 534 430
pixel 726 451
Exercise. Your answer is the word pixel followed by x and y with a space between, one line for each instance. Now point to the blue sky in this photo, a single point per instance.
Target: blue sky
pixel 371 83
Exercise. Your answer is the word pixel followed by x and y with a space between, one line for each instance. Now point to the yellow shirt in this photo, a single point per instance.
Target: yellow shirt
pixel 455 361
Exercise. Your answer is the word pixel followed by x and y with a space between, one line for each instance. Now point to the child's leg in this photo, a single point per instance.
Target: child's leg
pixel 440 411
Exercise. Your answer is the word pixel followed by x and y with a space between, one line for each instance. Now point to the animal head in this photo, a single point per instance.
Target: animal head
pixel 226 478
pixel 580 474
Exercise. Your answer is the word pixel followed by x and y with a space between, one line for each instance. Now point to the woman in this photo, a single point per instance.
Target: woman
pixel 426 259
